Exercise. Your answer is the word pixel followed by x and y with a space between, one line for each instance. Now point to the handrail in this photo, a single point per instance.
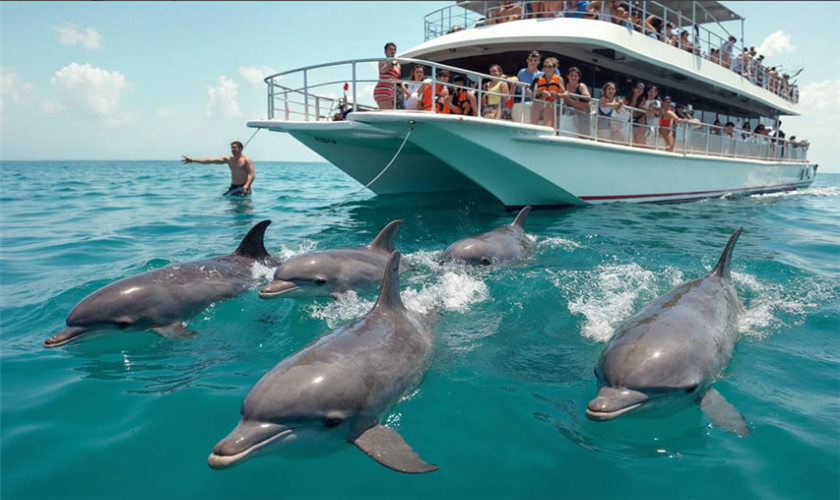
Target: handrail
pixel 308 98
pixel 440 23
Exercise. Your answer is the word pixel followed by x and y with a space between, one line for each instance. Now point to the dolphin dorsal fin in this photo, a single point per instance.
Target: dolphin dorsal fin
pixel 722 268
pixel 385 239
pixel 519 221
pixel 389 294
pixel 252 244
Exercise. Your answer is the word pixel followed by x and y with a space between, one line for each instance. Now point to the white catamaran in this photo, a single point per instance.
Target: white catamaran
pixel 584 156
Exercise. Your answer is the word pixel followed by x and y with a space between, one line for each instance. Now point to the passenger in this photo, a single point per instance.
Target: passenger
pixel 577 98
pixel 462 101
pixel 715 129
pixel 521 111
pixel 389 73
pixel 685 43
pixel 548 9
pixel 636 21
pixel 729 130
pixel 653 109
pixel 666 124
pixel 576 10
pixel 438 102
pixel 655 27
pixel 636 100
pixel 496 89
pixel 747 130
pixel 547 89
pixel 508 11
pixel 608 107
pixel 415 88
pixel 726 52
pixel 670 37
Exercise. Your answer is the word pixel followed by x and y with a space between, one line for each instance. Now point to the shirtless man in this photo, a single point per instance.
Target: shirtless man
pixel 241 169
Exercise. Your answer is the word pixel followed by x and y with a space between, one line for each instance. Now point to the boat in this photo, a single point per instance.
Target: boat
pixel 580 156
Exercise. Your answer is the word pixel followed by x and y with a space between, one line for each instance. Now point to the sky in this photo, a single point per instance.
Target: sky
pixel 157 80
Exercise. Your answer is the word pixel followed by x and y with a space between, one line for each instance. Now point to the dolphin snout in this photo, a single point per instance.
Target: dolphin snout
pixel 243 441
pixel 611 403
pixel 64 336
pixel 277 288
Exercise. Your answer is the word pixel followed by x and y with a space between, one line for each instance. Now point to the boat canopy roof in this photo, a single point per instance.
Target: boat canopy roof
pixel 706 11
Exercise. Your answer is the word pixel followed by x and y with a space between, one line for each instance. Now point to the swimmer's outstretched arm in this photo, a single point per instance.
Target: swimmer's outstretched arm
pixel 214 161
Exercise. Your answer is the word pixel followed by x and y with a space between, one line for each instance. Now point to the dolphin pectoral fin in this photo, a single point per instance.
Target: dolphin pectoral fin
pixel 723 414
pixel 387 447
pixel 174 331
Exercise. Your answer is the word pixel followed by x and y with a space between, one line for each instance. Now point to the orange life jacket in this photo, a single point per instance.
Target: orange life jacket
pixel 551 85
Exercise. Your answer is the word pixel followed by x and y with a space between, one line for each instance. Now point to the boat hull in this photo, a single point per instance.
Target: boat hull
pixel 529 165
pixel 363 152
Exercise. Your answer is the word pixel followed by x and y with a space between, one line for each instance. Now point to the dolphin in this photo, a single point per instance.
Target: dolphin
pixel 671 352
pixel 162 299
pixel 503 244
pixel 337 389
pixel 337 271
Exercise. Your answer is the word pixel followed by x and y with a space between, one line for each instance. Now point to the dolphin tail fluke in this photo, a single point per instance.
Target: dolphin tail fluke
pixel 723 414
pixel 722 268
pixel 385 239
pixel 253 244
pixel 519 221
pixel 387 447
pixel 389 294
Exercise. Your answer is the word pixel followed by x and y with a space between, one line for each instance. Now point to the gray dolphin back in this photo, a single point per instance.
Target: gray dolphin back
pixel 722 268
pixel 385 239
pixel 253 244
pixel 519 221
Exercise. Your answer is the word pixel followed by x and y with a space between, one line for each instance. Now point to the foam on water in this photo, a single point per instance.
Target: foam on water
pixel 609 294
pixel 823 192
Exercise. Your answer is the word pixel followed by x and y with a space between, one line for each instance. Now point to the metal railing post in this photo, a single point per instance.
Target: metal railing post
pixel 355 101
pixel 306 95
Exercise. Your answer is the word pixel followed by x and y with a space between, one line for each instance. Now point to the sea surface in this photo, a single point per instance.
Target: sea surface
pixel 501 408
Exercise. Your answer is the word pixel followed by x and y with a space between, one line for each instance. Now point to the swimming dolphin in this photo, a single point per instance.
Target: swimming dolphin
pixel 337 389
pixel 162 299
pixel 671 352
pixel 334 271
pixel 504 244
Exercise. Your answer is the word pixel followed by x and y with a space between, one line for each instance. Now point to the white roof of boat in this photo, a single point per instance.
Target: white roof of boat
pixel 707 11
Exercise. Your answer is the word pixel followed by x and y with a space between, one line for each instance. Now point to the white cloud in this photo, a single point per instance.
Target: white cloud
pixel 164 112
pixel 820 97
pixel 93 89
pixel 222 100
pixel 12 87
pixel 776 43
pixel 819 105
pixel 255 74
pixel 70 34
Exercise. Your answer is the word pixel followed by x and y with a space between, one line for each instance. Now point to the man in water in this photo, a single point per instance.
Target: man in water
pixel 241 169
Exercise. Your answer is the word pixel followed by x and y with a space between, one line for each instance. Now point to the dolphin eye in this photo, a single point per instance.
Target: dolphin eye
pixel 123 324
pixel 691 389
pixel 484 261
pixel 320 282
pixel 332 422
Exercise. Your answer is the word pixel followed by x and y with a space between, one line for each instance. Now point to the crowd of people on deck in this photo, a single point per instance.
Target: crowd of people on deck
pixel 748 63
pixel 530 97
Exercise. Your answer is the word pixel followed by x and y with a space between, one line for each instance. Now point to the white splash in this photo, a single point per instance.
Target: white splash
pixel 609 294
pixel 768 305
pixel 822 192
pixel 442 288
pixel 262 272
pixel 556 242
pixel 305 246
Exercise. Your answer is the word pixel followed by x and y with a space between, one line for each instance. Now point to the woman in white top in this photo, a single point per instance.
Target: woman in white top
pixel 414 89
pixel 608 108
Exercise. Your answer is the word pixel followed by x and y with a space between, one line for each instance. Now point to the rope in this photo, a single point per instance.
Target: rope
pixel 249 140
pixel 378 176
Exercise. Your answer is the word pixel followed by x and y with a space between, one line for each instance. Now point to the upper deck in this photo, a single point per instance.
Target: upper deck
pixel 469 34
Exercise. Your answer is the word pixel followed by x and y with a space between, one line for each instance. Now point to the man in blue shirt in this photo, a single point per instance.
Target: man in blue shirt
pixel 521 111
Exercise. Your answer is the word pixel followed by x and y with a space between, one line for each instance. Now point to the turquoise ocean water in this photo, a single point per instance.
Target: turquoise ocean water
pixel 501 408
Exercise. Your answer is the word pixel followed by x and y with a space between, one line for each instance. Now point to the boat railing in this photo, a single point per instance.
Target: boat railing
pixel 702 40
pixel 329 92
